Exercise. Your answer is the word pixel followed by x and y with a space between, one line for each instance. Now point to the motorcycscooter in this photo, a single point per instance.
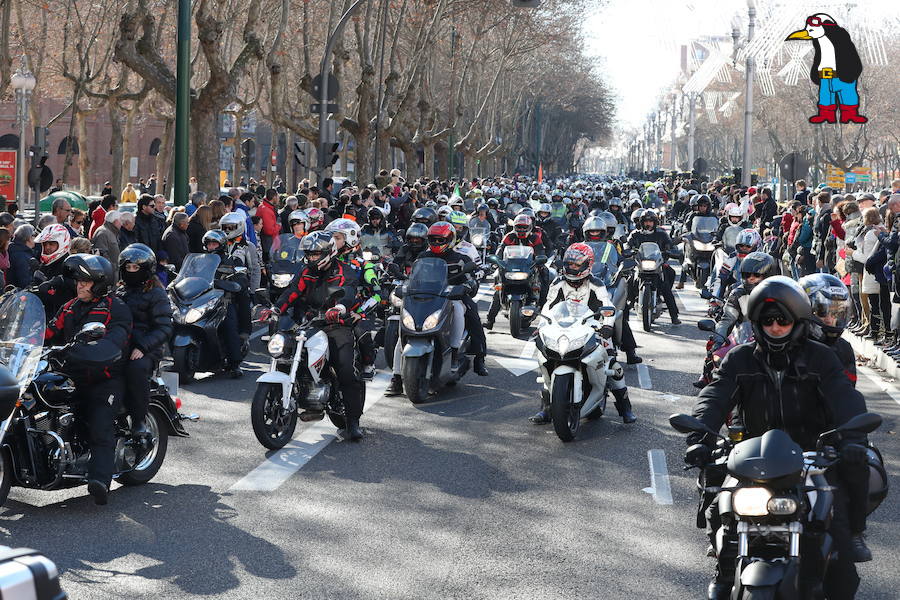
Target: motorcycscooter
pixel 285 262
pixel 650 263
pixel 519 285
pixel 699 247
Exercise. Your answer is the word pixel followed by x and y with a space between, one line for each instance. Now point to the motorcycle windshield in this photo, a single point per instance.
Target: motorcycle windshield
pixel 287 248
pixel 517 252
pixel 479 232
pixel 375 245
pixel 743 333
pixel 22 322
pixel 650 251
pixel 704 227
pixel 730 237
pixel 197 274
pixel 568 313
pixel 428 276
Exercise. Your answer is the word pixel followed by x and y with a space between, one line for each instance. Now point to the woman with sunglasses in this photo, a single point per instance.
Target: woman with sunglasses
pixel 784 380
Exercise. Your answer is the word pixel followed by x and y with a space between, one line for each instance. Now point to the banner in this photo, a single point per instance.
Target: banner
pixel 8 174
pixel 541 173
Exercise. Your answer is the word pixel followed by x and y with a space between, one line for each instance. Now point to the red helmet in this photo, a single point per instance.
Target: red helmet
pixel 522 226
pixel 441 237
pixel 577 262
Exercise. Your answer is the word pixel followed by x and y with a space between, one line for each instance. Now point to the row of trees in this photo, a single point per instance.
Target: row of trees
pixel 476 76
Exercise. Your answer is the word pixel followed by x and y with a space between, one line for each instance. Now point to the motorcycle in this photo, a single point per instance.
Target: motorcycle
pixel 650 262
pixel 286 261
pixel 699 245
pixel 725 248
pixel 519 285
pixel 576 362
pixel 774 491
pixel 300 377
pixel 741 334
pixel 427 320
pixel 200 303
pixel 482 239
pixel 42 445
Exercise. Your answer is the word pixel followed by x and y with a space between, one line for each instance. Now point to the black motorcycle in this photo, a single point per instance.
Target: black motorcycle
pixel 520 285
pixel 200 303
pixel 699 246
pixel 427 317
pixel 42 445
pixel 286 260
pixel 773 492
pixel 650 273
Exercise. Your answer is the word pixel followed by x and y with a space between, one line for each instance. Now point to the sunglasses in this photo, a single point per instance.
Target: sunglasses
pixel 782 321
pixel 817 22
pixel 79 223
pixel 757 275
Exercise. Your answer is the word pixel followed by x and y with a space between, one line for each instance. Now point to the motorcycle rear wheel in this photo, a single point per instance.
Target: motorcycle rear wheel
pixel 515 318
pixel 147 469
pixel 273 426
pixel 564 412
pixel 415 378
pixel 702 276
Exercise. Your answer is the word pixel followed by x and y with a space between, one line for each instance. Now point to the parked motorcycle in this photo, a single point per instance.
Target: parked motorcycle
pixel 520 285
pixel 42 445
pixel 427 320
pixel 774 492
pixel 576 362
pixel 200 302
pixel 699 247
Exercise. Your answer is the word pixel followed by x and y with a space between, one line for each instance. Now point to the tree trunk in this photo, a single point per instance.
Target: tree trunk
pixel 238 157
pixel 443 161
pixel 115 147
pixel 412 162
pixel 428 167
pixel 165 154
pixel 364 156
pixel 84 155
pixel 205 150
pixel 127 145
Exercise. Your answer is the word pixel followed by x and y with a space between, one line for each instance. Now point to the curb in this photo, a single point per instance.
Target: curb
pixel 867 349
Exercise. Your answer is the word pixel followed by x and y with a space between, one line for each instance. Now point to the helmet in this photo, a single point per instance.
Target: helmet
pixel 701 199
pixel 577 262
pixel 492 203
pixel 779 296
pixel 615 201
pixel 650 215
pixel 734 211
pixel 431 204
pixel 748 238
pixel 299 216
pixel 526 210
pixel 375 213
pixel 54 233
pixel 594 229
pixel 424 215
pixel 349 229
pixel 444 212
pixel 316 217
pixel 457 203
pixel 636 215
pixel 830 303
pixel 545 208
pixel 757 263
pixel 417 236
pixel 218 236
pixel 233 225
pixel 610 220
pixel 441 237
pixel 522 225
pixel 460 222
pixel 318 250
pixel 91 267
pixel 482 208
pixel 143 257
pixel 442 199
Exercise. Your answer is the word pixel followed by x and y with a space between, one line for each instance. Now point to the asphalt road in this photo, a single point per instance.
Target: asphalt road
pixel 457 498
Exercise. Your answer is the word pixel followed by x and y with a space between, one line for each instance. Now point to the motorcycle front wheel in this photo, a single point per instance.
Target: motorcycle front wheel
pixel 647 297
pixel 759 593
pixel 150 464
pixel 515 318
pixel 391 337
pixel 564 412
pixel 415 378
pixel 273 426
pixel 702 276
pixel 184 362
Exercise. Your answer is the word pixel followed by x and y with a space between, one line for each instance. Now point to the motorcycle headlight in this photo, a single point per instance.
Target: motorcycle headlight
pixel 751 501
pixel 396 301
pixel 477 240
pixel 196 313
pixel 562 344
pixel 281 280
pixel 648 265
pixel 276 345
pixel 704 246
pixel 432 320
pixel 781 506
pixel 517 276
pixel 408 320
pixel 367 256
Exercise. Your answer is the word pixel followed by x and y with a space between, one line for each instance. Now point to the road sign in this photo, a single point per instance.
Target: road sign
pixel 273 159
pixel 333 87
pixel 329 108
pixel 850 178
pixel 793 166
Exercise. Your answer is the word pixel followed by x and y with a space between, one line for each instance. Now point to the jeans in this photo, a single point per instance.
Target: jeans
pixel 96 410
pixel 834 91
pixel 880 319
pixel 137 387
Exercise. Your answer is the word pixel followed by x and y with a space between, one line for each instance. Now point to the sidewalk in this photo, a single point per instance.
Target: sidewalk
pixel 866 349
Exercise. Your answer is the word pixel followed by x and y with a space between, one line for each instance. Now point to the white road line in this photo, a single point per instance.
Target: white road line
pixel 644 377
pixel 883 385
pixel 279 467
pixel 692 303
pixel 525 363
pixel 484 292
pixel 659 478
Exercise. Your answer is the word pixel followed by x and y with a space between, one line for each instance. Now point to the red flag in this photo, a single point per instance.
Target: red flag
pixel 541 173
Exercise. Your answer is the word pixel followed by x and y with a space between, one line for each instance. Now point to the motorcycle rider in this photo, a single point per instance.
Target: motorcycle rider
pixel 140 289
pixel 831 310
pixel 523 234
pixel 650 232
pixel 310 292
pixel 784 380
pixel 425 215
pixel 232 225
pixel 54 286
pixel 416 242
pixel 215 242
pixel 577 284
pixel 747 241
pixel 549 226
pixel 95 366
pixel 701 207
pixel 300 223
pixel 483 215
pixel 377 224
pixel 459 220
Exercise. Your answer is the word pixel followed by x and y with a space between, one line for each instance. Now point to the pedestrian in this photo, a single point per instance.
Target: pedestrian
pixel 151 184
pixel 57 187
pixel 106 237
pixel 148 227
pixel 107 189
pixel 129 194
pixel 192 184
pixel 291 203
pixel 268 231
pixel 198 224
pixel 141 186
pixel 61 209
pixel 175 239
pixel 218 209
pixel 802 193
pixel 866 242
pixel 197 199
pixel 245 203
pixel 159 206
pixel 98 215
pixel 22 261
pixel 4 255
pixel 127 235
pixel 8 222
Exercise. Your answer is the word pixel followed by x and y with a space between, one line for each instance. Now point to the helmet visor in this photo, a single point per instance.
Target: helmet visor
pixel 831 312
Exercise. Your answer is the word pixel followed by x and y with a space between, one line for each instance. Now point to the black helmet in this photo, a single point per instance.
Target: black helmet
pixel 492 203
pixel 757 263
pixel 417 236
pixel 215 235
pixel 91 267
pixel 482 208
pixel 143 257
pixel 830 303
pixel 375 213
pixel 318 250
pixel 783 297
pixel 426 216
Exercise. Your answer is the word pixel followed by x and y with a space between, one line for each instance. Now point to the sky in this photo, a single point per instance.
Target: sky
pixel 639 42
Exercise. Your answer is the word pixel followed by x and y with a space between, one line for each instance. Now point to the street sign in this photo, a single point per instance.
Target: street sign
pixel 8 160
pixel 850 178
pixel 333 87
pixel 329 108
pixel 273 159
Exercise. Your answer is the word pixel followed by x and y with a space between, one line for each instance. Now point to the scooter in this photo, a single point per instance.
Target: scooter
pixel 699 246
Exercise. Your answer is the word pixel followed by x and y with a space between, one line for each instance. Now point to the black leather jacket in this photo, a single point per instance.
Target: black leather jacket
pixel 151 315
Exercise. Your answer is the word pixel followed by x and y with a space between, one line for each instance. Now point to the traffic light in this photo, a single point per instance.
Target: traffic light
pixel 248 151
pixel 299 154
pixel 329 152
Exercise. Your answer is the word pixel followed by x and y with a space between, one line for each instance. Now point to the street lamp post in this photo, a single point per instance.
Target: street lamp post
pixel 23 83
pixel 692 124
pixel 748 100
pixel 180 187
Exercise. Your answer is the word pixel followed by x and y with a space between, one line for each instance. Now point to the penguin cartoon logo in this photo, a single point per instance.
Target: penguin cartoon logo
pixel 835 69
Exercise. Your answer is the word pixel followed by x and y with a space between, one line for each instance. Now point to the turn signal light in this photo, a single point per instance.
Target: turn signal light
pixel 177 403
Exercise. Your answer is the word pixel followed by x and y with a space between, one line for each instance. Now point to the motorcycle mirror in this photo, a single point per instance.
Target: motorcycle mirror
pixel 706 325
pixel 864 423
pixel 705 294
pixel 540 260
pixel 492 258
pixel 683 423
pixel 606 311
pixel 91 332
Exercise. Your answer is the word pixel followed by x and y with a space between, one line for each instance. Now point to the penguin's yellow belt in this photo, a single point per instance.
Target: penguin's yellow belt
pixel 827 73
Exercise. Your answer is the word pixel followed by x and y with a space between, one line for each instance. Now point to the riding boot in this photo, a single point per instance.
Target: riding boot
pixel 478 366
pixel 395 387
pixel 623 405
pixel 543 415
pixel 353 429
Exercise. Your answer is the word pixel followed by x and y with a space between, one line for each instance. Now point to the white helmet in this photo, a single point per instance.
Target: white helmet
pixel 233 225
pixel 456 203
pixel 299 215
pixel 54 233
pixel 349 229
pixel 735 210
pixel 443 213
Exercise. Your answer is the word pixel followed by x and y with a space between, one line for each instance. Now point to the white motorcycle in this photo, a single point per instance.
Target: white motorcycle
pixel 578 365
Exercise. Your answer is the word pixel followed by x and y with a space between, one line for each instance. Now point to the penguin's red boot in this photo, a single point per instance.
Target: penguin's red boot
pixel 849 114
pixel 827 114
